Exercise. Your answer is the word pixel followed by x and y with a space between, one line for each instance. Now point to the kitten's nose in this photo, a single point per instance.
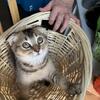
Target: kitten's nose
pixel 36 48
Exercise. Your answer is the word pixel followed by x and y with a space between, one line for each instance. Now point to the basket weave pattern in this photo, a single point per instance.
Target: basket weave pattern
pixel 71 55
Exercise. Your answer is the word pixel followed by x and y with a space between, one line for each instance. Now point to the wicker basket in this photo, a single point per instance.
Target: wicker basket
pixel 72 53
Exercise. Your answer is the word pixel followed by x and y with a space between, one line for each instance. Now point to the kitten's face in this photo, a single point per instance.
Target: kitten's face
pixel 30 44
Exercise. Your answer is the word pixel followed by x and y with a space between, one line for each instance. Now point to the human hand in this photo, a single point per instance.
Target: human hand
pixel 60 13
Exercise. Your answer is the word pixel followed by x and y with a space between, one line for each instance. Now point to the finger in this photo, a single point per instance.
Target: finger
pixel 65 23
pixel 76 20
pixel 53 16
pixel 47 7
pixel 58 22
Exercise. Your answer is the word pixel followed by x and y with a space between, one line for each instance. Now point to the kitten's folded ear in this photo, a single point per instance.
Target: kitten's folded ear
pixel 12 38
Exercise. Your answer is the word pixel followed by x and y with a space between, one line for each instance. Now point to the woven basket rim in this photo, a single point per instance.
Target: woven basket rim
pixel 84 40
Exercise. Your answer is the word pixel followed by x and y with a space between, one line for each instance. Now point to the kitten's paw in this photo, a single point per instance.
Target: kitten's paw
pixel 74 89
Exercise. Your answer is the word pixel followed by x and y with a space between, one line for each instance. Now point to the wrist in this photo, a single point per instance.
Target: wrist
pixel 68 3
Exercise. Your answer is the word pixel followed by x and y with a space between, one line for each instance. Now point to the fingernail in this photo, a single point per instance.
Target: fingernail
pixel 54 29
pixel 61 31
pixel 50 22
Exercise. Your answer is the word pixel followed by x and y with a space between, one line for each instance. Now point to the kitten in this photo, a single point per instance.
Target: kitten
pixel 30 48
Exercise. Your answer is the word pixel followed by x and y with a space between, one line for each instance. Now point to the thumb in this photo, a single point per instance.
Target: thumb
pixel 47 7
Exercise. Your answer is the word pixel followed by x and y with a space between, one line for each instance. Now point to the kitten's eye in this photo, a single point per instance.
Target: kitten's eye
pixel 40 40
pixel 26 45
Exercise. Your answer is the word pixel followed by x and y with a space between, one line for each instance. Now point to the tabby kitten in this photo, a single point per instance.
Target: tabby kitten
pixel 30 48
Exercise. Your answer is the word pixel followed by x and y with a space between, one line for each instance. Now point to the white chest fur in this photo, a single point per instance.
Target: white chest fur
pixel 27 78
